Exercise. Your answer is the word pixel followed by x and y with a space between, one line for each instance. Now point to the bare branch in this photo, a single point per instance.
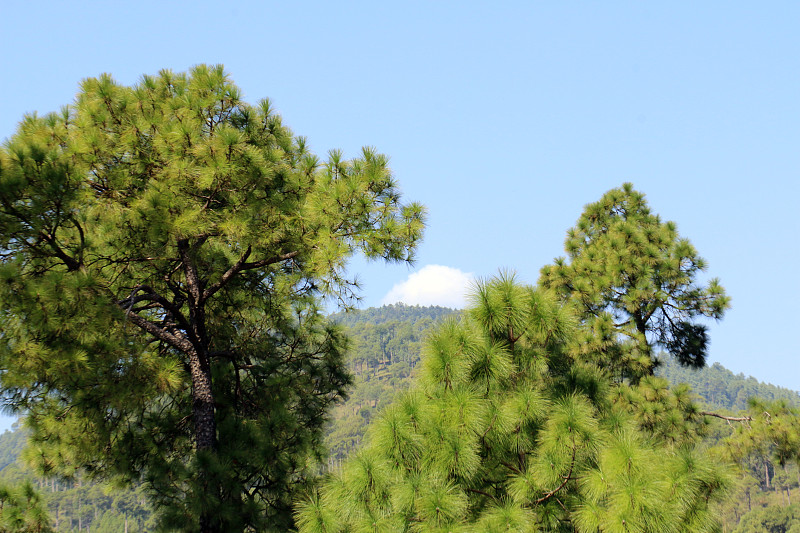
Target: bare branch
pixel 728 418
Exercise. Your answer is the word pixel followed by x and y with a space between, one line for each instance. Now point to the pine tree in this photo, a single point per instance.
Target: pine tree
pixel 634 281
pixel 164 250
pixel 504 431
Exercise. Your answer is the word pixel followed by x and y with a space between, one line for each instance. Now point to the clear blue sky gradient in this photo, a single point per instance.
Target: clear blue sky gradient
pixel 504 119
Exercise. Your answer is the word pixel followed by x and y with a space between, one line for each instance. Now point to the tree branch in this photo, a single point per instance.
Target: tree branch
pixel 174 340
pixel 72 263
pixel 151 296
pixel 197 319
pixel 270 260
pixel 728 418
pixel 242 265
pixel 476 491
pixel 511 467
pixel 566 478
pixel 232 271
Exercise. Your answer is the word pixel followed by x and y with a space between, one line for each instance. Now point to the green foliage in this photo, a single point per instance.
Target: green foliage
pixel 504 430
pixel 714 387
pixel 11 445
pixel 634 281
pixel 385 350
pixel 653 405
pixel 164 250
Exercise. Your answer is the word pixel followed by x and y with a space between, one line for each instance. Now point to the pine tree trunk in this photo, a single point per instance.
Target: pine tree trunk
pixel 205 427
pixel 205 424
pixel 203 409
pixel 766 474
pixel 786 486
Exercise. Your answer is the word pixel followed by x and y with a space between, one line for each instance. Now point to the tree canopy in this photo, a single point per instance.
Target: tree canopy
pixel 164 248
pixel 635 282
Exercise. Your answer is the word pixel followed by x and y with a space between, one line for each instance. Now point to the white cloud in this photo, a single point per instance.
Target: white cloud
pixel 432 285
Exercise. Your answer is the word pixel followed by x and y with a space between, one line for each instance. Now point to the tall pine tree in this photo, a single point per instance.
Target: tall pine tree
pixel 163 251
pixel 634 280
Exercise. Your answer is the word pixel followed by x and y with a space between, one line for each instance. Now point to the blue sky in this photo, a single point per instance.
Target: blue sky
pixel 504 119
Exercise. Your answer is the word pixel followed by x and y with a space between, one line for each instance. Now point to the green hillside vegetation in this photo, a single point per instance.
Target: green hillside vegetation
pixel 775 519
pixel 764 448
